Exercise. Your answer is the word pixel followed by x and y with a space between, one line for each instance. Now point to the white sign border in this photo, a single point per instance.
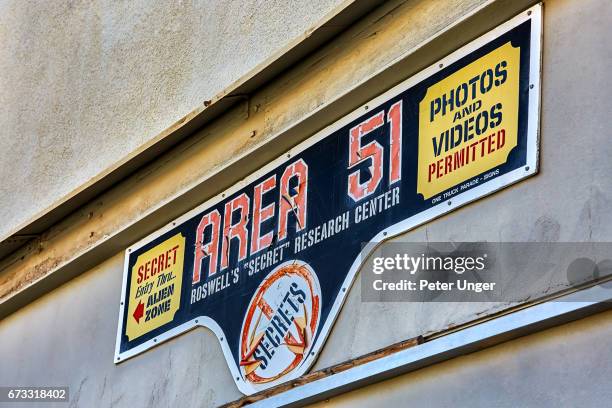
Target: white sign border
pixel 535 14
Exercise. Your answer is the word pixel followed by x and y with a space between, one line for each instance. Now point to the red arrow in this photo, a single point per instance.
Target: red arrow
pixel 139 311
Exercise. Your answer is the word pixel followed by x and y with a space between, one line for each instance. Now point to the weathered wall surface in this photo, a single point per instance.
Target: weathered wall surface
pixel 67 336
pixel 84 83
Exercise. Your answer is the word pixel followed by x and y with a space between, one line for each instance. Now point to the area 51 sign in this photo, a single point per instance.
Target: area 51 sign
pixel 267 264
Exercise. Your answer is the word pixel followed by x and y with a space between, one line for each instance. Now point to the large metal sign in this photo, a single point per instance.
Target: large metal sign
pixel 267 264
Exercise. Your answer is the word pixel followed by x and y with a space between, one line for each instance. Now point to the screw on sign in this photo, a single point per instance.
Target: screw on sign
pixel 281 323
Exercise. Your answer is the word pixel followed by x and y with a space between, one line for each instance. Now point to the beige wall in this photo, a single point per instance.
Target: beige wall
pixel 67 336
pixel 84 83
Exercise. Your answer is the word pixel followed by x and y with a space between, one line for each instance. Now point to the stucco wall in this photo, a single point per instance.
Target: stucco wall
pixel 67 336
pixel 84 83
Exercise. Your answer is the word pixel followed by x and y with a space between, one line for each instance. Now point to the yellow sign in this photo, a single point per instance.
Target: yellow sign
pixel 468 122
pixel 155 287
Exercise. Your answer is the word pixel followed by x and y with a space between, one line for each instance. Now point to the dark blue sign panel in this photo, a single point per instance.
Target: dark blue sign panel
pixel 267 264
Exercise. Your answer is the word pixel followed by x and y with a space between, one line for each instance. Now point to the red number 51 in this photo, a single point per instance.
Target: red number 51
pixel 374 152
